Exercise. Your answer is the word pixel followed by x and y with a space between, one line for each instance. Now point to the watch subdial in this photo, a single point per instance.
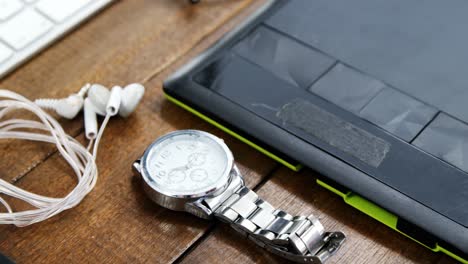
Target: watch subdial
pixel 177 176
pixel 198 175
pixel 196 159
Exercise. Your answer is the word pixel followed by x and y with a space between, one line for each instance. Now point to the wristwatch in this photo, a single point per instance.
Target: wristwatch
pixel 194 171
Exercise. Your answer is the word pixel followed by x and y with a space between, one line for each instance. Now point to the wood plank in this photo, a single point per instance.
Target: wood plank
pixel 367 240
pixel 131 41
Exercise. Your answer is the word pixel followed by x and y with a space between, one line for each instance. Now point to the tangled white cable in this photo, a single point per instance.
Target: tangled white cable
pixel 47 130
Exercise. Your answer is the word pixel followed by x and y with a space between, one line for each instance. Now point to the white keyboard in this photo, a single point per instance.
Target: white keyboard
pixel 27 26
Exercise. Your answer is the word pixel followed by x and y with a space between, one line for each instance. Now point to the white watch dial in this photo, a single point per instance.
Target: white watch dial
pixel 187 162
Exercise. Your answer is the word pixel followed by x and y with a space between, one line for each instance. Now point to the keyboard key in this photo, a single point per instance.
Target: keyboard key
pixel 286 58
pixel 24 28
pixel 398 113
pixel 8 8
pixel 347 88
pixel 5 53
pixel 446 138
pixel 59 10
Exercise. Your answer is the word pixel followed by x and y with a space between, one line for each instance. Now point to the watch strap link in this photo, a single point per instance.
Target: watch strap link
pixel 297 238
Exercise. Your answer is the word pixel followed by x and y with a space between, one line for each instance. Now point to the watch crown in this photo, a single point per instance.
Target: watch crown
pixel 136 166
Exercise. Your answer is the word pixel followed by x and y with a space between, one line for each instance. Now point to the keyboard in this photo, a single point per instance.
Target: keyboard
pixel 28 26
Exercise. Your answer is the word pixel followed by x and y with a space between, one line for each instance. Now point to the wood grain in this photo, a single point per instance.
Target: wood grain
pixel 145 41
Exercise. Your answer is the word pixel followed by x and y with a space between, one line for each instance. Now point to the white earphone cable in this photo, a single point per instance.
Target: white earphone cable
pixel 47 130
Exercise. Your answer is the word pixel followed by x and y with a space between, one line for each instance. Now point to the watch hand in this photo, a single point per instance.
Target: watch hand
pixel 197 159
pixel 191 163
pixel 184 168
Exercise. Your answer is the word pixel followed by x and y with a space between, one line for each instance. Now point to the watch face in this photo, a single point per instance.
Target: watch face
pixel 187 163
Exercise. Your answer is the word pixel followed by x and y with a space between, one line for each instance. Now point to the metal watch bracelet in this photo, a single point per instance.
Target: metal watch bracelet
pixel 297 238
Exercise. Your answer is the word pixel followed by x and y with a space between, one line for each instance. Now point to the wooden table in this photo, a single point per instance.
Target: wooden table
pixel 145 41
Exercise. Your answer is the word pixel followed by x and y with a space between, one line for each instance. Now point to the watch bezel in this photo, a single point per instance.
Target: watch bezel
pixel 220 186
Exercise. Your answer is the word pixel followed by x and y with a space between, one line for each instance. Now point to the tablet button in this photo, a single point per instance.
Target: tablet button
pixel 446 138
pixel 347 88
pixel 398 113
pixel 283 56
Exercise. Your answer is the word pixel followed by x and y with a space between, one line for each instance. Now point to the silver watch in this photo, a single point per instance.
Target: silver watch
pixel 194 171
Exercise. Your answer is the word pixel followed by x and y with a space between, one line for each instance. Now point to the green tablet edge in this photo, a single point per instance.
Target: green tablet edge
pixel 381 215
pixel 367 207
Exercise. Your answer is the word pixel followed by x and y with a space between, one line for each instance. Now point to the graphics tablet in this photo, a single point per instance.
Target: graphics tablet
pixel 371 94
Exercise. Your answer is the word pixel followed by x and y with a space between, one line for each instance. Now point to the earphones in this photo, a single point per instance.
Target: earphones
pixel 99 101
pixel 67 107
pixel 93 99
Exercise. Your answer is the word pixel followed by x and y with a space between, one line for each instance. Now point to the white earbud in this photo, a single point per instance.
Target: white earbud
pixel 115 99
pixel 99 101
pixel 67 107
pixel 104 102
pixel 90 119
pixel 131 96
pixel 99 96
